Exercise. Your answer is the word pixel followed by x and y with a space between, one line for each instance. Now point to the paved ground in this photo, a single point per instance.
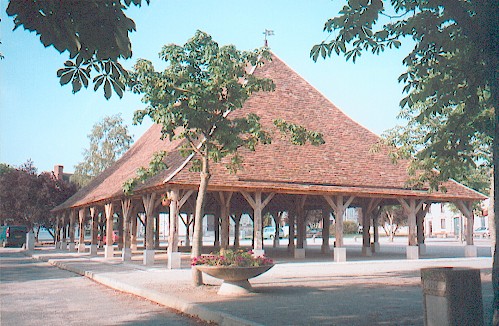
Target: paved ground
pixel 37 293
pixel 380 290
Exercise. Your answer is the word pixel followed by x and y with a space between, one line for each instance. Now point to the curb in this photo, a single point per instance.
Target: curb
pixel 192 309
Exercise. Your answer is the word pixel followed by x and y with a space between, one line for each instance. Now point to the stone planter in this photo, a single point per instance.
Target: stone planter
pixel 235 279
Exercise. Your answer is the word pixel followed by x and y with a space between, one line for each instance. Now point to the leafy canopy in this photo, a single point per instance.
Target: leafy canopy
pixel 27 197
pixel 450 79
pixel 109 140
pixel 93 32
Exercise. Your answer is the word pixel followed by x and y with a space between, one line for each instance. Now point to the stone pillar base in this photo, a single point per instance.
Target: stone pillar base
pixel 93 250
pixel 258 252
pixel 367 251
pixel 470 251
pixel 81 248
pixel 422 249
pixel 340 254
pixel 108 251
pixel 126 254
pixel 63 245
pixel 71 246
pixel 412 252
pixel 376 247
pixel 299 253
pixel 148 257
pixel 174 260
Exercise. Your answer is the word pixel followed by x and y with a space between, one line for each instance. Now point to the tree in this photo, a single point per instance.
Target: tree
pixel 93 32
pixel 392 217
pixel 192 99
pixel 452 80
pixel 109 139
pixel 27 197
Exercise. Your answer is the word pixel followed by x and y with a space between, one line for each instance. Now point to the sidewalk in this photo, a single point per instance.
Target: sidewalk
pixel 293 292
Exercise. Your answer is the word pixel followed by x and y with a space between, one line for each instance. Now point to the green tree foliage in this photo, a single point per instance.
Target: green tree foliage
pixel 192 99
pixel 109 139
pixel 27 197
pixel 452 81
pixel 93 32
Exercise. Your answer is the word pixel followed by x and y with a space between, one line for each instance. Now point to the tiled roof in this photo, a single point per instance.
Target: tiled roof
pixel 345 164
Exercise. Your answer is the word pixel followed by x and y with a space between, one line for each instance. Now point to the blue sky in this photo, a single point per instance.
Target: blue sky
pixel 42 121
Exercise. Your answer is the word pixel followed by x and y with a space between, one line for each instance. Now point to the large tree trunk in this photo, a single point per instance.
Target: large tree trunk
pixel 197 277
pixel 495 265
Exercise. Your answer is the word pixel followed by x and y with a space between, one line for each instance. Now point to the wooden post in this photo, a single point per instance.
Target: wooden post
pixel 367 211
pixel 64 244
pixel 339 206
pixel 237 220
pixel 173 196
pixel 326 222
pixel 470 250
pixel 94 216
pixel 72 217
pixel 291 235
pixel 108 247
pixel 81 226
pixel 224 200
pixel 133 228
pixel 258 205
pixel 127 211
pixel 156 229
pixel 149 201
pixel 216 226
pixel 411 208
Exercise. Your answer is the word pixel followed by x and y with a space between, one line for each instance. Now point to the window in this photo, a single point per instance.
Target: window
pixel 442 224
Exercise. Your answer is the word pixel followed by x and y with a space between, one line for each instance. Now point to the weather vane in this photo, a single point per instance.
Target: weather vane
pixel 268 32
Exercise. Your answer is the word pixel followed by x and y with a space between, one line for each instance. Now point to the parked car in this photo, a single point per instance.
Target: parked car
pixel 116 237
pixel 314 233
pixel 482 232
pixel 269 232
pixel 13 235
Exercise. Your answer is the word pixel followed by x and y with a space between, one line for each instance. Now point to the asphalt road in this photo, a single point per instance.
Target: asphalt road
pixel 36 293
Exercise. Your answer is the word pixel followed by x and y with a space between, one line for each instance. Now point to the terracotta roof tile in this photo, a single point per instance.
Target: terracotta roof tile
pixel 344 164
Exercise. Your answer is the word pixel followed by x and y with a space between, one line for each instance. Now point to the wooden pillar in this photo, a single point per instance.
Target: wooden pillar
pixel 216 226
pixel 94 216
pixel 64 243
pixel 72 218
pixel 189 218
pixel 368 209
pixel 133 231
pixel 375 217
pixel 156 229
pixel 411 208
pixel 126 211
pixel 470 250
pixel 108 247
pixel 173 196
pixel 149 201
pixel 121 233
pixel 326 222
pixel 224 200
pixel 291 221
pixel 339 205
pixel 300 222
pixel 420 234
pixel 277 221
pixel 81 226
pixel 366 235
pixel 258 205
pixel 237 220
pixel 57 235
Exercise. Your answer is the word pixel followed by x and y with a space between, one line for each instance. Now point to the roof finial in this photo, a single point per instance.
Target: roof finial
pixel 268 32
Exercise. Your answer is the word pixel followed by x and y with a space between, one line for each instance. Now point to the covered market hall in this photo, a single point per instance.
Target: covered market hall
pixel 275 178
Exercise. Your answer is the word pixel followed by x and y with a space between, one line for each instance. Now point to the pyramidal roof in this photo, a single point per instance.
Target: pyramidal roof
pixel 345 164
